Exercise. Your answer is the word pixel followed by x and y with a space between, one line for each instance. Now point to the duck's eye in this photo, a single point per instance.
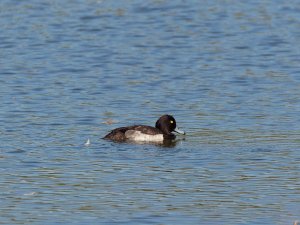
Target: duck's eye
pixel 171 121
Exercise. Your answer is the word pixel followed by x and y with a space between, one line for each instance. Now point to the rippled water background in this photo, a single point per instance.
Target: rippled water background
pixel 227 70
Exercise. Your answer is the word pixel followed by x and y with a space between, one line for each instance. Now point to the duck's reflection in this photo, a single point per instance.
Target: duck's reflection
pixel 171 143
pixel 168 143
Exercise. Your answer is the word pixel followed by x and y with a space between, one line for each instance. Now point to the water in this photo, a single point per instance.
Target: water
pixel 228 71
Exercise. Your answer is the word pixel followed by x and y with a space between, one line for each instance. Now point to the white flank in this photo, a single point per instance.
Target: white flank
pixel 135 135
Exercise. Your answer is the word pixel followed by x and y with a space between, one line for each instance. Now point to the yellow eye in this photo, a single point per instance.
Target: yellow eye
pixel 171 121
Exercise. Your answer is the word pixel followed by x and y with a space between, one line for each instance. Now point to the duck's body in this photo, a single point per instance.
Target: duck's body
pixel 135 133
pixel 142 133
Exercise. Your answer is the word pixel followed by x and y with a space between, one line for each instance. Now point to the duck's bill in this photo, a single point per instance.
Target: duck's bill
pixel 179 131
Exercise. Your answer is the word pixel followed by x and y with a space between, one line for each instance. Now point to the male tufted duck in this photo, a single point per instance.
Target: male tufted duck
pixel 162 131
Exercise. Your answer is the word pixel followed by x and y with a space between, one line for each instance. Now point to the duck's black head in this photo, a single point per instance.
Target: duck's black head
pixel 167 124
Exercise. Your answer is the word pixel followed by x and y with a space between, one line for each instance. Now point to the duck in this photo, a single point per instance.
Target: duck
pixel 162 131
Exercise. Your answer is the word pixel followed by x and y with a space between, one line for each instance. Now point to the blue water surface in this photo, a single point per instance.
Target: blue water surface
pixel 73 70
